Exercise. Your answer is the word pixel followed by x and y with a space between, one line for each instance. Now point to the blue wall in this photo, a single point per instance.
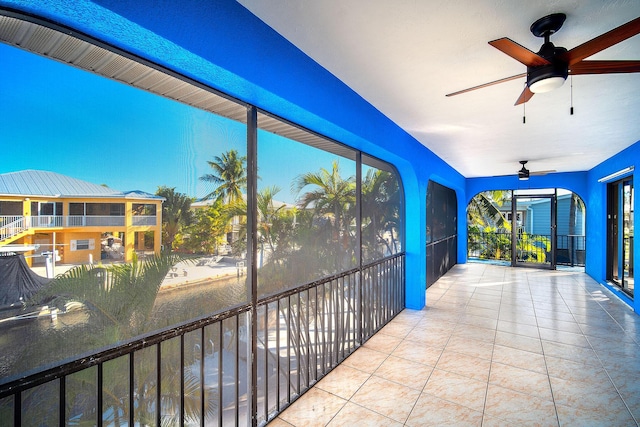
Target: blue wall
pixel 597 216
pixel 222 45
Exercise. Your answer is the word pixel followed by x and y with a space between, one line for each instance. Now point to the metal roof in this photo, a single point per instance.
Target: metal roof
pixel 68 47
pixel 51 184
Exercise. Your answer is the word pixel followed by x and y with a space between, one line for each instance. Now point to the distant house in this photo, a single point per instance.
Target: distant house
pixel 533 217
pixel 79 219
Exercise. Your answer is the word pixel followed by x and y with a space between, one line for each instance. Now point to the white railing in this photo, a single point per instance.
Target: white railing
pixel 94 221
pixel 143 220
pixel 46 221
pixel 10 225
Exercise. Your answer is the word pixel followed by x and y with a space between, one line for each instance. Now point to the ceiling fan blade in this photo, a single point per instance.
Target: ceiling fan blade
pixel 524 96
pixel 518 52
pixel 602 42
pixel 604 67
pixel 540 173
pixel 506 79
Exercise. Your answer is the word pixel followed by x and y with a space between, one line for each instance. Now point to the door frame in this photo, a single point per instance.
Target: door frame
pixel 616 253
pixel 553 202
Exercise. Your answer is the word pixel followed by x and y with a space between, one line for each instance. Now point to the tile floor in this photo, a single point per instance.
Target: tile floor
pixel 495 346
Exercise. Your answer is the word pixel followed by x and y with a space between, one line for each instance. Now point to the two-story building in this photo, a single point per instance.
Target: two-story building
pixel 50 211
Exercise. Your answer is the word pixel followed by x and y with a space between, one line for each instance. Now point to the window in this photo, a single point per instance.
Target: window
pixel 82 245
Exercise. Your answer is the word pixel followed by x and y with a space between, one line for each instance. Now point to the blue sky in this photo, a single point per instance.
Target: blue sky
pixel 58 118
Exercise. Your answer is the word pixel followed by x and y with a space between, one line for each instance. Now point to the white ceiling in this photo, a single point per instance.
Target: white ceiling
pixel 403 56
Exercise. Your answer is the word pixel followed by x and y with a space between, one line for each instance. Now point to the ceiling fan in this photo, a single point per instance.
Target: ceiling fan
pixel 549 67
pixel 524 173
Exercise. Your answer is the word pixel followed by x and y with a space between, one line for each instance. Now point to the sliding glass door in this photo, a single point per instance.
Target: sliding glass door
pixel 620 229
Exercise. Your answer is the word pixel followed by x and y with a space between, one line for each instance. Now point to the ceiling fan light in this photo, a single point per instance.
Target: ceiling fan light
pixel 547 85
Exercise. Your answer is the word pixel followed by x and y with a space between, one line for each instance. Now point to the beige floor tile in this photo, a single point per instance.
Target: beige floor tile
pixel 489 421
pixel 431 411
pixel 432 338
pixel 441 326
pixel 398 329
pixel 559 325
pixel 586 396
pixel 578 417
pixel 365 359
pixel 575 371
pixel 424 354
pixel 314 408
pixel 470 347
pixel 478 320
pixel 456 388
pixel 542 313
pixel 481 312
pixel 343 381
pixel 570 352
pixel 476 356
pixel 405 372
pixel 517 317
pixel 279 422
pixel 521 342
pixel 355 415
pixel 387 398
pixel 487 335
pixel 382 343
pixel 462 364
pixel 521 380
pixel 564 337
pixel 518 328
pixel 519 358
pixel 520 408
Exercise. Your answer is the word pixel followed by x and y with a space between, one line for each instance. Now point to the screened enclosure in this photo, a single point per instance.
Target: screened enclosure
pixel 282 249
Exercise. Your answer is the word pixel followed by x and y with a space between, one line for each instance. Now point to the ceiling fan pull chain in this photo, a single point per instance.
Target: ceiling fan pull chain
pixel 571 92
pixel 524 112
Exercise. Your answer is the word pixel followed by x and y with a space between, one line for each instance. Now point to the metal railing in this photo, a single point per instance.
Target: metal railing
pixel 490 245
pixel 570 249
pixel 201 373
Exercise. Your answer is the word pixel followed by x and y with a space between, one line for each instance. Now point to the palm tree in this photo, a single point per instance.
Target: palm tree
pixel 230 176
pixel 577 205
pixel 483 209
pixel 333 196
pixel 380 210
pixel 484 218
pixel 119 301
pixel 176 213
pixel 331 201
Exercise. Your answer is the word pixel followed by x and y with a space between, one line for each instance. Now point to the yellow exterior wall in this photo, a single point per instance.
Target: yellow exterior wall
pixel 79 256
pixel 64 235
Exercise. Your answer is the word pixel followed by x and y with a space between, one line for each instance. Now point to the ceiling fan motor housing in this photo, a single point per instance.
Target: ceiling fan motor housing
pixel 549 76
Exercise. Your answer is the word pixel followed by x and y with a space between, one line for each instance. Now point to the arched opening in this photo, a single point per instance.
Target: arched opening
pixel 542 228
pixel 442 230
